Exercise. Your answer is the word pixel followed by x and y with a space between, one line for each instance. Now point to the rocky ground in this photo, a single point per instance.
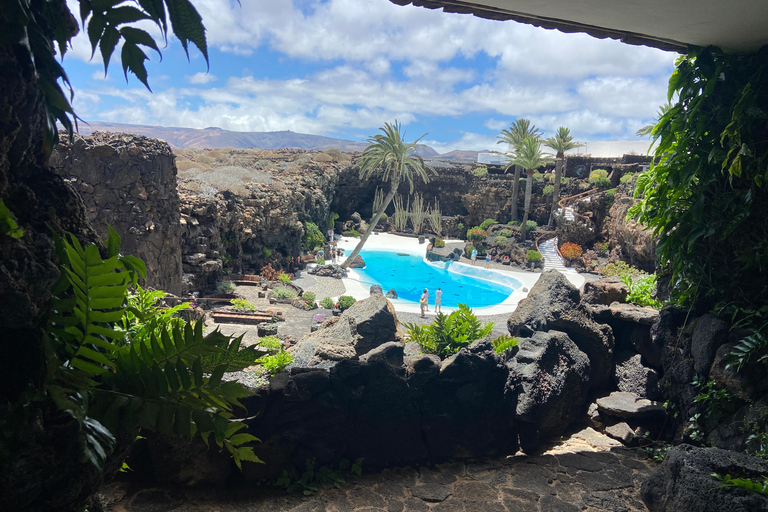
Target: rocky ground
pixel 587 472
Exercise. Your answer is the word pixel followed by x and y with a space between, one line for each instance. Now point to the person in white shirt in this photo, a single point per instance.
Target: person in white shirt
pixel 438 299
pixel 424 301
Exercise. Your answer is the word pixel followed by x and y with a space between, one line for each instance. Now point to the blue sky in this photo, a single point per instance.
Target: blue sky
pixel 342 68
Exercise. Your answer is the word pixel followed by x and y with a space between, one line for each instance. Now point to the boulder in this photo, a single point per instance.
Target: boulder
pixel 553 304
pixel 633 376
pixel 748 383
pixel 552 377
pixel 709 334
pixel 391 294
pixel 329 271
pixel 376 290
pixel 358 262
pixel 684 482
pixel 364 326
pixel 621 432
pixel 622 404
pixel 605 291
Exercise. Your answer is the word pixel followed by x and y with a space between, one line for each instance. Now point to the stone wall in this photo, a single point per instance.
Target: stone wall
pixel 129 182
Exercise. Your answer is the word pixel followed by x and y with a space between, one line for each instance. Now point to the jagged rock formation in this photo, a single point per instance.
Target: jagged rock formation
pixel 129 182
pixel 637 245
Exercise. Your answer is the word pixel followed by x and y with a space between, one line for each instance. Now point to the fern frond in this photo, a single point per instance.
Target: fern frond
pixel 504 343
pixel 743 351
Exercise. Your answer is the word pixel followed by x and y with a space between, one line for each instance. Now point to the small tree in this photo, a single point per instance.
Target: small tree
pixel 561 142
pixel 530 157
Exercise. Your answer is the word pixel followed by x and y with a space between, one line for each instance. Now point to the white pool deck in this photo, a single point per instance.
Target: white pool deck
pixel 359 290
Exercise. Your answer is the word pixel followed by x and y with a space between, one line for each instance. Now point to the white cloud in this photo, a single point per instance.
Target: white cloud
pixel 200 78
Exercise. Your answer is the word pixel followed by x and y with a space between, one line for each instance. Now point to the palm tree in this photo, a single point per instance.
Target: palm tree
pixel 561 142
pixel 389 156
pixel 530 157
pixel 518 131
pixel 648 129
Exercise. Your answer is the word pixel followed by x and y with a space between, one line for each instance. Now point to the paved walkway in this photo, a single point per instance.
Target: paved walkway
pixel 552 259
pixel 585 473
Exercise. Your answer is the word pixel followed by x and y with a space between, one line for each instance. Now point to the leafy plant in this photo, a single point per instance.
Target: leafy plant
pixel 309 298
pixel 418 213
pixel 705 197
pixel 620 268
pixel 486 224
pixel 505 232
pixel 269 273
pixel 548 189
pixel 346 301
pixel 271 344
pixel 500 241
pixel 449 334
pixel 284 278
pixel 242 305
pixel 468 250
pixel 226 287
pixel 275 363
pixel 284 293
pixel 743 483
pixel 480 171
pixel 266 253
pixel 113 374
pixel 533 256
pixel 439 243
pixel 320 261
pixel 312 237
pixel 599 182
pixel 332 220
pixel 712 398
pixel 610 195
pixel 746 347
pixel 531 225
pixel 354 233
pixel 602 248
pixel 513 223
pixel 641 290
pixel 476 234
pixel 326 303
pixel 628 177
pixel 598 173
pixel 504 343
pixel 8 225
pixel 570 251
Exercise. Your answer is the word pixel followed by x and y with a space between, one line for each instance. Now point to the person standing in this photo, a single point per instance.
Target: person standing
pixel 438 300
pixel 474 255
pixel 487 260
pixel 423 301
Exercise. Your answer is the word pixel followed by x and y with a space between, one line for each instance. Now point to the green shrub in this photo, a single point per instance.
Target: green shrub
pixel 439 242
pixel 564 180
pixel 346 301
pixel 480 171
pixel 332 219
pixel 326 303
pixel 548 189
pixel 505 232
pixel 226 287
pixel 242 305
pixel 468 250
pixel 500 241
pixel 275 363
pixel 449 334
pixel 284 278
pixel 600 182
pixel 513 223
pixel 610 195
pixel 627 177
pixel 271 344
pixel 640 290
pixel 531 225
pixel 602 248
pixel 309 298
pixel 266 253
pixel 486 224
pixel 533 256
pixel 284 293
pixel 620 268
pixel 476 235
pixel 320 261
pixel 537 176
pixel 383 217
pixel 598 173
pixel 312 237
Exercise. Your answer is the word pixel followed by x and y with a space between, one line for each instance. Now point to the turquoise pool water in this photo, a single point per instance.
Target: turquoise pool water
pixel 408 274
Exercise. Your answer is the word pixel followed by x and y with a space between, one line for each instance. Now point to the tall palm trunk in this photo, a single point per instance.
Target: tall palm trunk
pixel 515 192
pixel 384 204
pixel 556 192
pixel 528 188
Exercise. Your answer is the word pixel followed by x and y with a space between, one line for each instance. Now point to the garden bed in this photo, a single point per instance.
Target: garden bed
pixel 229 317
pixel 243 279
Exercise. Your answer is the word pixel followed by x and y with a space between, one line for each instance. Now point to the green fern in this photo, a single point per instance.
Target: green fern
pixel 743 351
pixel 449 333
pixel 123 364
pixel 504 343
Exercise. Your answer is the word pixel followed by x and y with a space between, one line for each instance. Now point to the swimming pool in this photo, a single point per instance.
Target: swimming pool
pixel 409 274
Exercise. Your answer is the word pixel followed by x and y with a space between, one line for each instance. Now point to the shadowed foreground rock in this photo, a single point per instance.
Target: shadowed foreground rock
pixel 683 482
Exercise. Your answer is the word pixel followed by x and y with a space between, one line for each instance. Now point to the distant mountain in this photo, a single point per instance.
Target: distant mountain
pixel 218 138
